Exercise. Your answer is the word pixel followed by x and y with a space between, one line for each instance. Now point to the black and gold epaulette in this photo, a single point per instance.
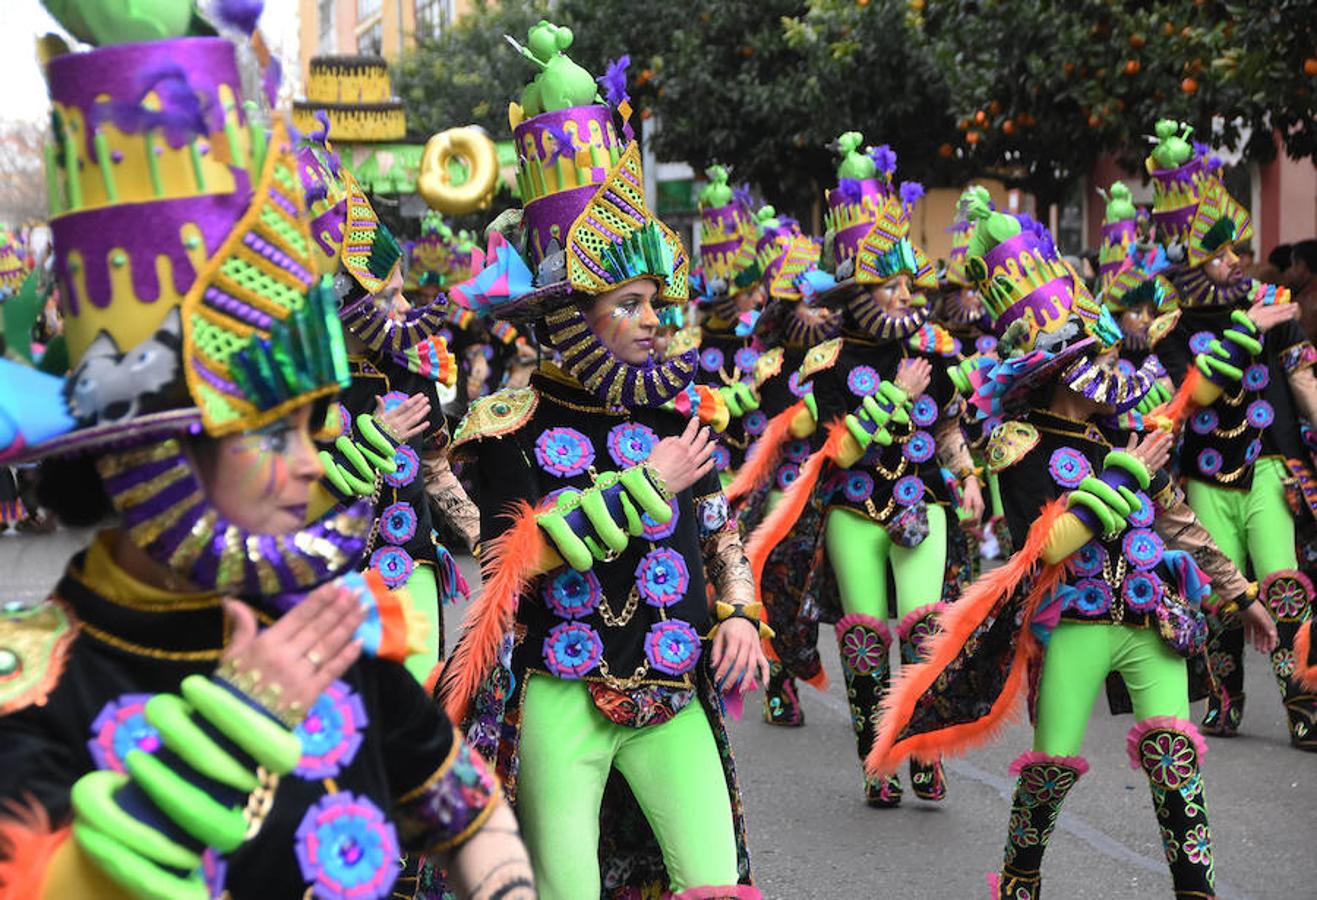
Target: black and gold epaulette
pixel 1009 443
pixel 34 643
pixel 820 357
pixel 769 364
pixel 502 412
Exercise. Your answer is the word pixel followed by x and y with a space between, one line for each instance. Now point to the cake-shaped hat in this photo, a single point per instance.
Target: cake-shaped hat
pixel 1119 230
pixel 1048 324
pixel 355 94
pixel 13 269
pixel 189 297
pixel 1194 214
pixel 585 227
pixel 432 252
pixel 729 235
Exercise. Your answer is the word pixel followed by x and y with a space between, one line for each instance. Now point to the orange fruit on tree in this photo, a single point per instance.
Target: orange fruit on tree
pixel 1310 67
pixel 980 117
pixel 1189 86
pixel 1132 67
pixel 1137 40
pixel 995 108
pixel 972 137
pixel 1008 127
pixel 945 150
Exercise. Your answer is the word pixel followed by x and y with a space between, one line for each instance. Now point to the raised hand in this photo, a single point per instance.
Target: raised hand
pixel 406 420
pixel 682 461
pixel 914 375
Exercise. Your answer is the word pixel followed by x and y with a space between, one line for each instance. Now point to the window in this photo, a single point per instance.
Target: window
pixel 367 8
pixel 371 41
pixel 325 22
pixel 432 17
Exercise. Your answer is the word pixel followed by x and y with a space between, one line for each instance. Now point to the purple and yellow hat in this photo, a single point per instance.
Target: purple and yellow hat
pixel 1047 323
pixel 729 235
pixel 186 278
pixel 1194 214
pixel 13 269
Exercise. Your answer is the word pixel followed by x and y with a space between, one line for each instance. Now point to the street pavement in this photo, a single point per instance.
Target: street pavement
pixel 811 836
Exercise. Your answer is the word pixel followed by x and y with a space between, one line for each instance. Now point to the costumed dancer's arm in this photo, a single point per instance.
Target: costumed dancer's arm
pixel 354 465
pixel 448 495
pixel 1180 528
pixel 954 456
pixel 1297 359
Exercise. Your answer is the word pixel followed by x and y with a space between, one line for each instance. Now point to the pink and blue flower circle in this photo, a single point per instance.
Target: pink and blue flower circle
pixel 120 727
pixel 1069 467
pixel 1253 450
pixel 332 732
pixel 347 848
pixel 1088 560
pixel 797 387
pixel 1143 516
pixel 1204 421
pixel 863 381
pixel 858 487
pixel 1201 341
pixel 1141 592
pixel 711 359
pixel 919 448
pixel 572 650
pixel 1256 377
pixel 755 422
pixel 672 647
pixel 985 344
pixel 1260 414
pixel 407 465
pixel 662 577
pixel 572 594
pixel 656 532
pixel 631 443
pixel 398 523
pixel 924 411
pixel 787 473
pixel 394 565
pixel 1125 367
pixel 1209 461
pixel 908 490
pixel 797 450
pixel 746 358
pixel 1091 598
pixel 722 458
pixel 564 452
pixel 1143 548
pixel 393 399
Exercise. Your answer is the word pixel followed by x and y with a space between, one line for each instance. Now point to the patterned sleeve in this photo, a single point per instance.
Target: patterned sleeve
pixel 444 790
pixel 1180 528
pixel 720 540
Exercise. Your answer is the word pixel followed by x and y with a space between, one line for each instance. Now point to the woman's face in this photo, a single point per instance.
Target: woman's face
pixel 625 321
pixel 893 296
pixel 261 480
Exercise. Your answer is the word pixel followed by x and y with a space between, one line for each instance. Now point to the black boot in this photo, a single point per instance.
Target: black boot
pixel 915 631
pixel 864 642
pixel 781 702
pixel 1288 595
pixel 1225 659
pixel 1168 751
pixel 1040 788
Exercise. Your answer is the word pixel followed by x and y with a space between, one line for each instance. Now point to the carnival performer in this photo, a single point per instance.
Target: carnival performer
pixel 211 702
pixel 885 498
pixel 1243 445
pixel 591 668
pixel 397 357
pixel 1109 578
pixel 784 436
pixel 729 295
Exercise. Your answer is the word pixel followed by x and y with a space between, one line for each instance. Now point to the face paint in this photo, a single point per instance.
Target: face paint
pixel 261 479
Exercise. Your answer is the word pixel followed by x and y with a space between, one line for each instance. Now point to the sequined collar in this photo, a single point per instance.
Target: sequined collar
pixel 558 386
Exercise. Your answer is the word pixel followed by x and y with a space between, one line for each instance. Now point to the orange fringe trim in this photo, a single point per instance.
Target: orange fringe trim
pixel 957 622
pixel 778 524
pixel 1304 673
pixel 509 563
pixel 1181 406
pixel 27 844
pixel 758 468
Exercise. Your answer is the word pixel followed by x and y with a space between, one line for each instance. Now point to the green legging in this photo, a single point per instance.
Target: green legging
pixel 567 750
pixel 860 550
pixel 1254 525
pixel 1079 657
pixel 421 594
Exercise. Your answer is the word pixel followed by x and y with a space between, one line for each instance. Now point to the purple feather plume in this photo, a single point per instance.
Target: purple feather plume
pixel 1039 230
pixel 181 114
pixel 241 14
pixel 884 157
pixel 613 81
pixel 910 192
pixel 563 147
pixel 850 190
pixel 741 195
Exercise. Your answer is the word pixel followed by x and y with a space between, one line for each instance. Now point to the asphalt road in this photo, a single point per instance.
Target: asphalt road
pixel 812 836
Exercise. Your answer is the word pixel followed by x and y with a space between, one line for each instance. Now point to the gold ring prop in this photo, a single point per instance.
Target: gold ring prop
pixel 475 151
